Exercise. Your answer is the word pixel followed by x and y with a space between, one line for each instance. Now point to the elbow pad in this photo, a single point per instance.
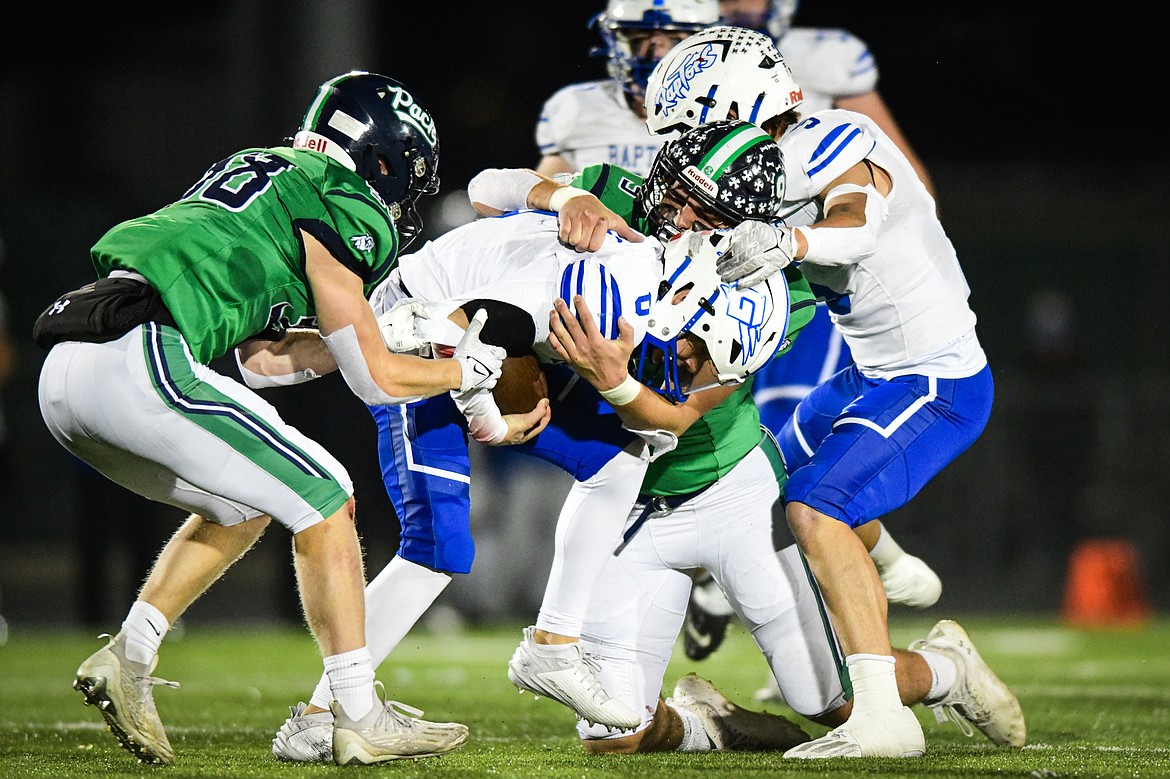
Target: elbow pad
pixel 846 245
pixel 504 189
pixel 346 350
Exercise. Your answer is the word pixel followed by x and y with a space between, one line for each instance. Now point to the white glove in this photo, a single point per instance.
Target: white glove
pixel 755 251
pixel 401 326
pixel 485 423
pixel 480 362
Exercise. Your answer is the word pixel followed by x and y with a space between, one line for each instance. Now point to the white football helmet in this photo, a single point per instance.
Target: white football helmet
pixel 775 20
pixel 622 17
pixel 742 328
pixel 720 73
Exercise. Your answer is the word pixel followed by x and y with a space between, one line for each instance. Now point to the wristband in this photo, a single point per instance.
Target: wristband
pixel 557 200
pixel 623 393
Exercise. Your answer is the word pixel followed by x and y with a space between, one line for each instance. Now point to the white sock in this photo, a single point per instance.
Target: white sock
pixel 144 629
pixel 395 600
pixel 589 528
pixel 875 686
pixel 886 551
pixel 695 738
pixel 943 673
pixel 351 678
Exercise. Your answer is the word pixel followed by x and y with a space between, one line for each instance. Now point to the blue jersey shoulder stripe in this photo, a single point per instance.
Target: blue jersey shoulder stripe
pixel 829 140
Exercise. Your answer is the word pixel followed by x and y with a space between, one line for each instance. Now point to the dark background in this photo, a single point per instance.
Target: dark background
pixel 1041 128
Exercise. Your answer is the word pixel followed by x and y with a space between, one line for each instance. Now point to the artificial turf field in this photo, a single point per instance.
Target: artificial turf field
pixel 1097 705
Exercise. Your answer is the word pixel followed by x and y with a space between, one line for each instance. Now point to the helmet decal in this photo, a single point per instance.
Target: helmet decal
pixel 676 84
pixel 750 309
pixel 717 74
pixel 410 112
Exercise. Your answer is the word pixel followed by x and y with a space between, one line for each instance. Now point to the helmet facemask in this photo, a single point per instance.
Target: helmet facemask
pixel 736 330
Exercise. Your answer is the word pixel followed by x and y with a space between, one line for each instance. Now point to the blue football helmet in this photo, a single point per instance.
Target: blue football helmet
pixel 621 18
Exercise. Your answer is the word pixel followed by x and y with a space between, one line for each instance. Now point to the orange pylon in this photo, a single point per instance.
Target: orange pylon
pixel 1104 587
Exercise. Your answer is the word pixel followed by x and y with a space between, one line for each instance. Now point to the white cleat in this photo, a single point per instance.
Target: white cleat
pixel 894 733
pixel 911 582
pixel 770 694
pixel 123 691
pixel 730 727
pixel 391 731
pixel 978 696
pixel 305 738
pixel 567 675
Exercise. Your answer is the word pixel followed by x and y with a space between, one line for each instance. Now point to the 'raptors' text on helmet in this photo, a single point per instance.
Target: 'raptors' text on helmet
pixel 741 328
pixel 720 73
pixel 775 19
pixel 624 21
pixel 726 171
pixel 375 127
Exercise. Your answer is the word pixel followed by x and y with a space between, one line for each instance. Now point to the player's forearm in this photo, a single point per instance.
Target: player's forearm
pixel 299 356
pixel 641 408
pixel 406 375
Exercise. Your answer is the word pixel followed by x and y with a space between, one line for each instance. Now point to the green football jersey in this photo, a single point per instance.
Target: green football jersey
pixel 227 257
pixel 724 435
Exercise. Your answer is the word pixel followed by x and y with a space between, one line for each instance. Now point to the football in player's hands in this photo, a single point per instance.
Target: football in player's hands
pixel 521 385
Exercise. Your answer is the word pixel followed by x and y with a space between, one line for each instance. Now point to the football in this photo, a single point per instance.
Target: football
pixel 521 384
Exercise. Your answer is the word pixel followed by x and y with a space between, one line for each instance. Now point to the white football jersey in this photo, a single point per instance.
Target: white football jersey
pixel 902 309
pixel 518 258
pixel 591 124
pixel 828 64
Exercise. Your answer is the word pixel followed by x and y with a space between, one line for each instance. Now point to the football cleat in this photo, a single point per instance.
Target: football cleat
pixel 123 691
pixel 569 676
pixel 391 731
pixel 730 727
pixel 305 738
pixel 895 733
pixel 978 697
